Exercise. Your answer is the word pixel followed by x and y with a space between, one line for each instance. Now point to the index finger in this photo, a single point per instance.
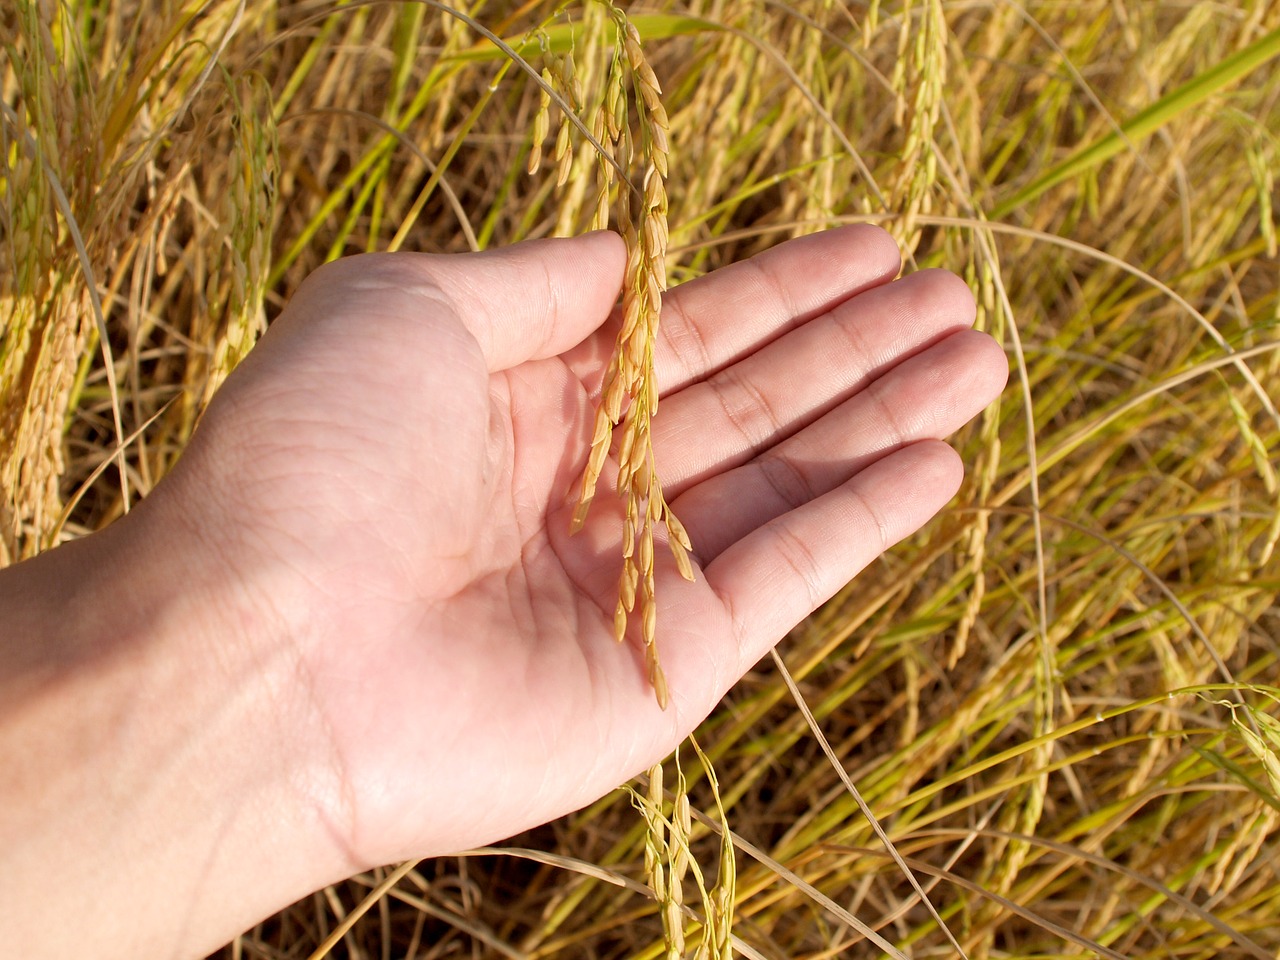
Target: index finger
pixel 712 322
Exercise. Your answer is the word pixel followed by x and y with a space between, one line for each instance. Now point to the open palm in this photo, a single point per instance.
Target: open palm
pixel 391 472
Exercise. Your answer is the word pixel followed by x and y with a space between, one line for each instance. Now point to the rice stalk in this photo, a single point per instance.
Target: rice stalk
pixel 629 394
pixel 668 861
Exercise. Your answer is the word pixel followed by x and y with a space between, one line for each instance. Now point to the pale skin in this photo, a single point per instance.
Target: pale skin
pixel 351 627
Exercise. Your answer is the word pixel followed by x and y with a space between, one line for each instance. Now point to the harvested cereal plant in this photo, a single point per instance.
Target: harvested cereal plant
pixel 1060 701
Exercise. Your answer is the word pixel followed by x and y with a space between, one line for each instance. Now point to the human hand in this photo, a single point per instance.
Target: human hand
pixel 394 465
pixel 351 626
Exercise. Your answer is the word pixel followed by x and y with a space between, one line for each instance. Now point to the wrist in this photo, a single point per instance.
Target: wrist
pixel 167 778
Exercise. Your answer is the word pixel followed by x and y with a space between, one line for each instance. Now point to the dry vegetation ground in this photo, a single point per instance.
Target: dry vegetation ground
pixel 1059 699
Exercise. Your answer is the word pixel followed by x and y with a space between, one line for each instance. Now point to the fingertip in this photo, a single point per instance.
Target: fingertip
pixel 607 240
pixel 862 255
pixel 943 468
pixel 949 294
pixel 538 298
pixel 586 270
pixel 990 364
pixel 919 478
pixel 875 245
pixel 602 254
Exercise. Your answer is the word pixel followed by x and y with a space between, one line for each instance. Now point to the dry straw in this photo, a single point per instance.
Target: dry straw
pixel 1038 673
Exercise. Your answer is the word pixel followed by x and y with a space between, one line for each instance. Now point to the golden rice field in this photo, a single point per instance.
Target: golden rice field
pixel 1060 701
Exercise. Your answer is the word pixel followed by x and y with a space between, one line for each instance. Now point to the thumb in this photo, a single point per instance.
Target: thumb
pixel 535 299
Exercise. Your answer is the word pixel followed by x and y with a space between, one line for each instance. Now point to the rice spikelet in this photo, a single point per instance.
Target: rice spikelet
pixel 629 394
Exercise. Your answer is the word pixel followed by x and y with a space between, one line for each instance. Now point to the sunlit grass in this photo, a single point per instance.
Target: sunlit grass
pixel 1059 700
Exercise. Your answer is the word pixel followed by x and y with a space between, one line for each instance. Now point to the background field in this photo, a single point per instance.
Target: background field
pixel 1059 699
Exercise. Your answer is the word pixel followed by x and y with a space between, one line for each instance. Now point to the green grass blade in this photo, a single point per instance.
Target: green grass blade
pixel 1234 68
